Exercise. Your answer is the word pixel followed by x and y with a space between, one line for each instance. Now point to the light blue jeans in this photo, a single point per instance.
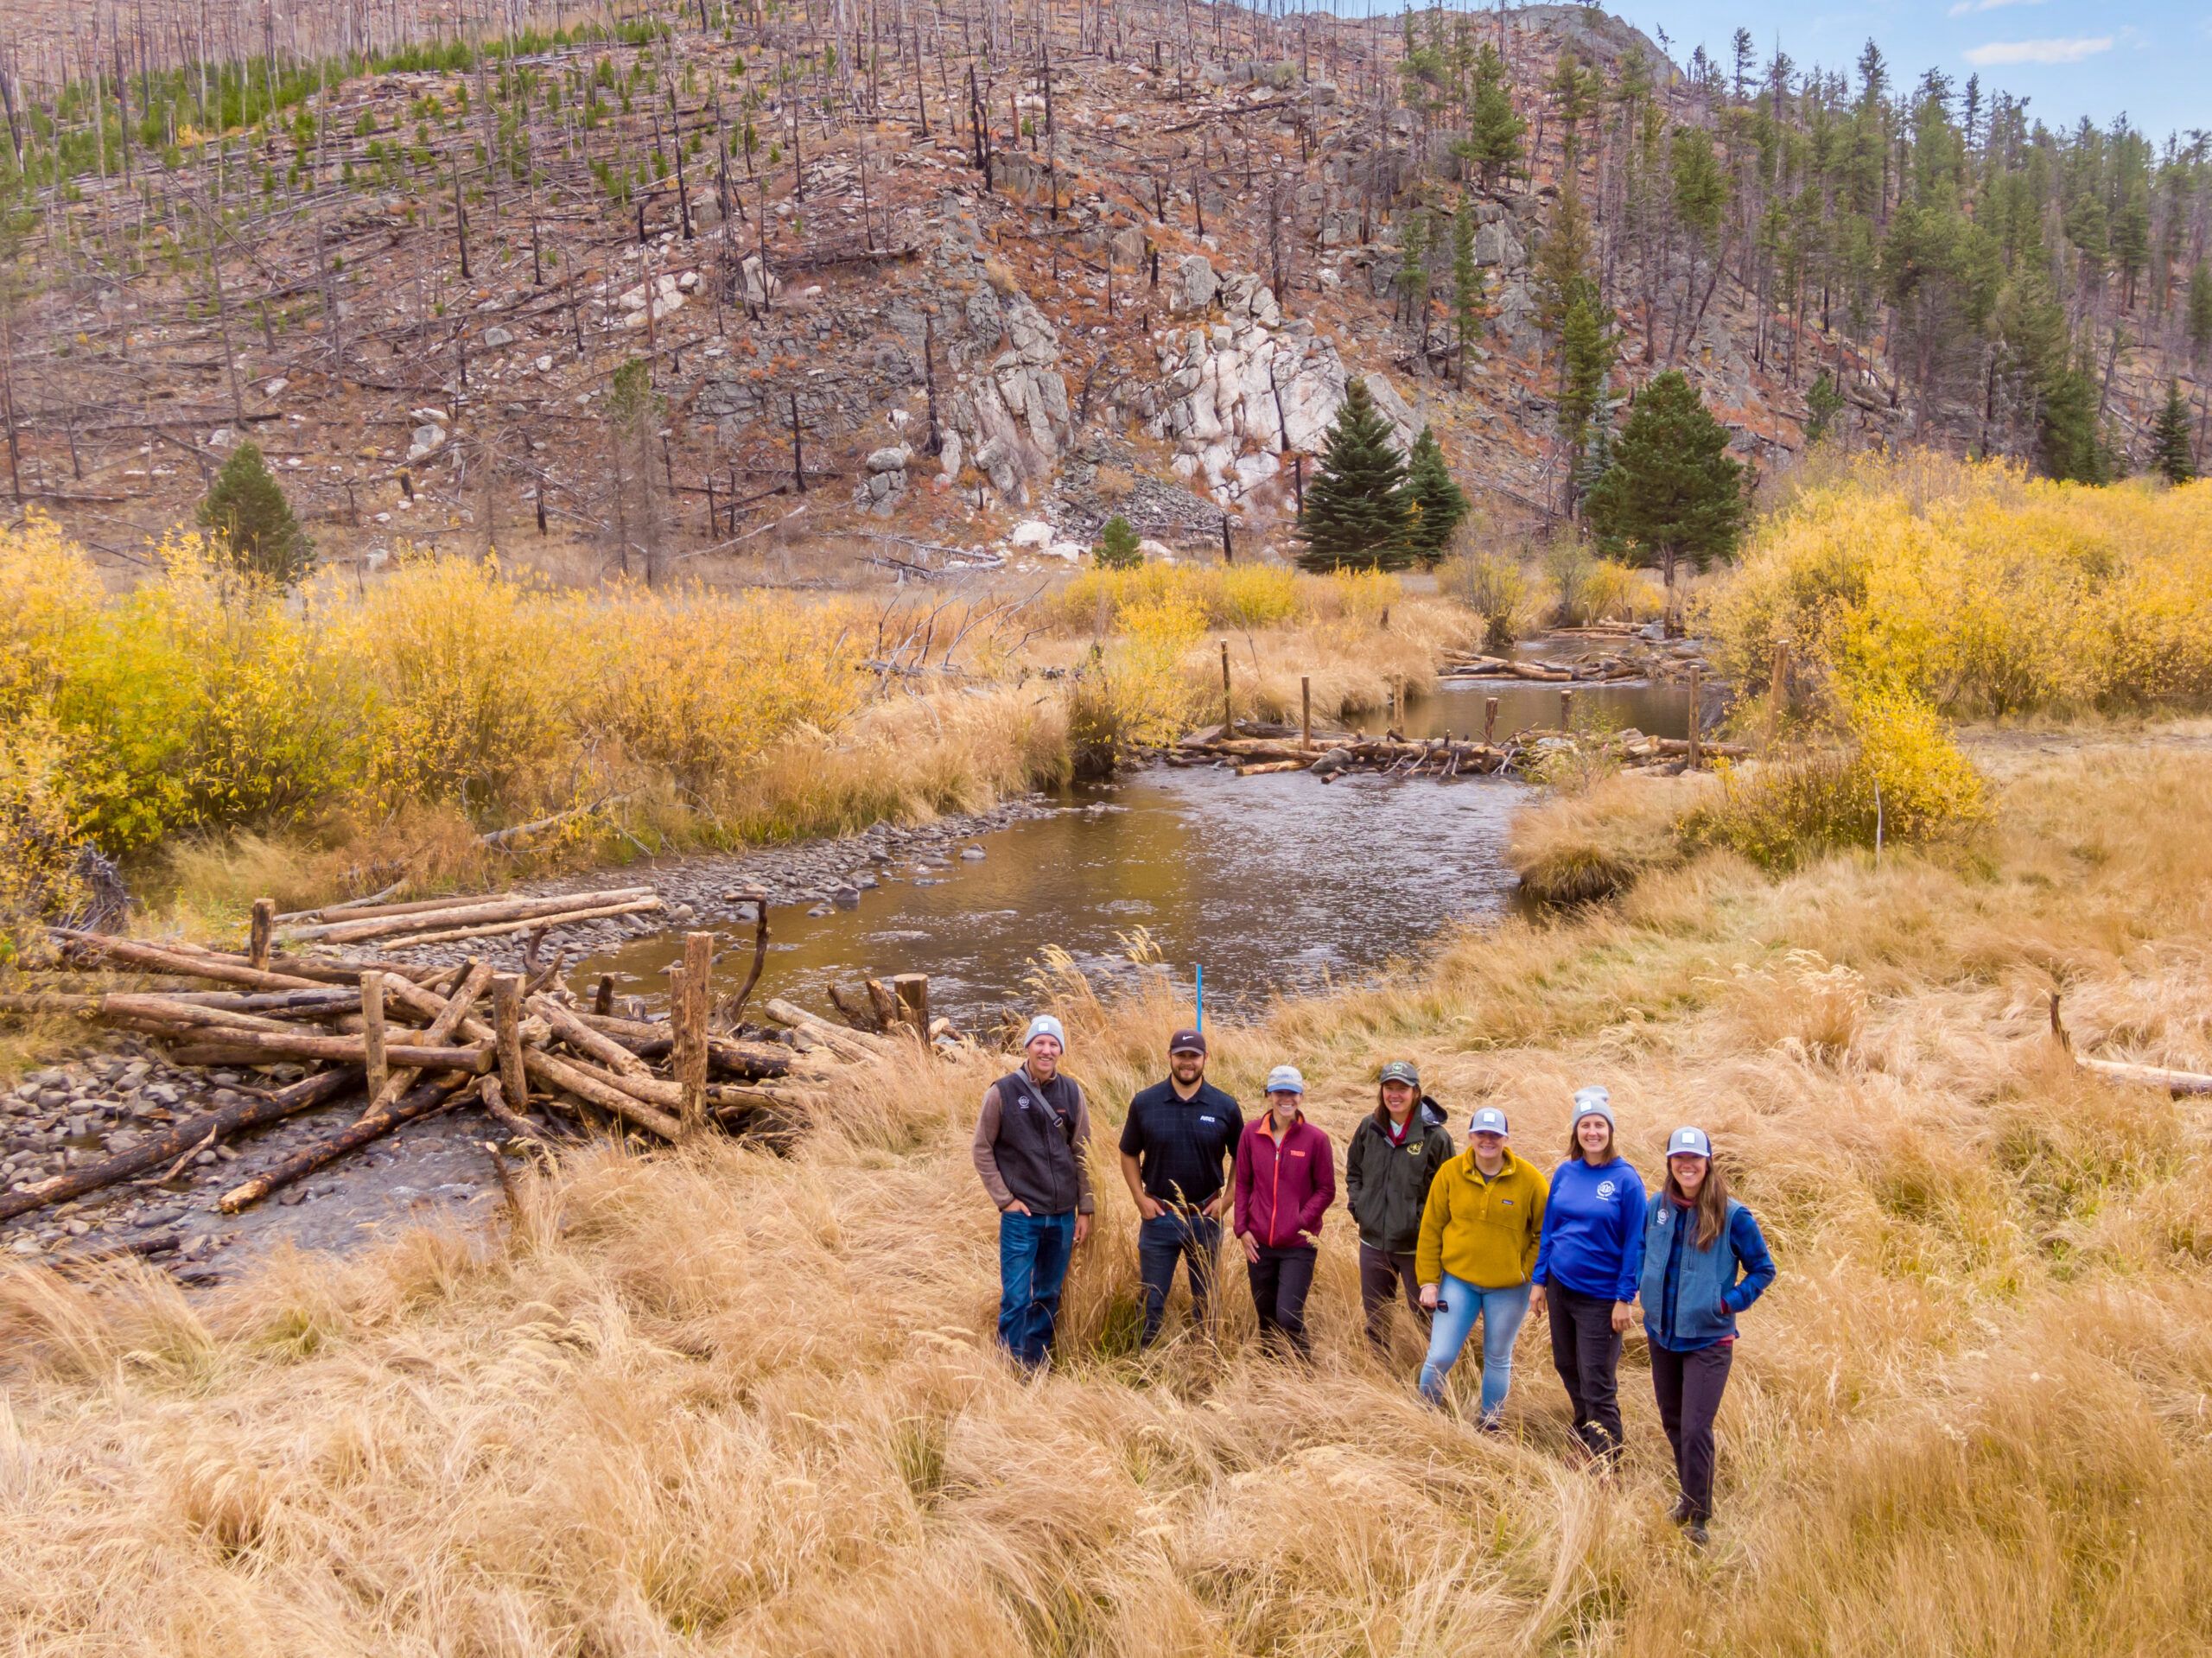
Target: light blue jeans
pixel 1461 1303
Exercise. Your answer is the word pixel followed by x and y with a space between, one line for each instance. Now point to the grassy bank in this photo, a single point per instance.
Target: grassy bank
pixel 746 1404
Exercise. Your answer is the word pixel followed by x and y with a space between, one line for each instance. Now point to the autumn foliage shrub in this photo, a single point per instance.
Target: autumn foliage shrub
pixel 1980 589
pixel 207 701
pixel 1898 778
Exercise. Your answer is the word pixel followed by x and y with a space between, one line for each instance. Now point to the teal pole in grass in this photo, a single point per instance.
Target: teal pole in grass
pixel 1202 998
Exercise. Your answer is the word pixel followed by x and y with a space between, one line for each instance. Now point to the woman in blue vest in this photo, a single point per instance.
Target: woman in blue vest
pixel 1704 1262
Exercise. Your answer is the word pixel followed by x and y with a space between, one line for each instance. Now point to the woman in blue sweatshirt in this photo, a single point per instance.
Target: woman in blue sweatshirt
pixel 1587 1261
pixel 1704 1262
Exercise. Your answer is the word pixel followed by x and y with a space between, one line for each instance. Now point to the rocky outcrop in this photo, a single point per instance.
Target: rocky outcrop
pixel 1240 393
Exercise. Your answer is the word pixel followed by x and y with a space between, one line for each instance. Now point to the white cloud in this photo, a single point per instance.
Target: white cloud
pixel 1965 7
pixel 2069 50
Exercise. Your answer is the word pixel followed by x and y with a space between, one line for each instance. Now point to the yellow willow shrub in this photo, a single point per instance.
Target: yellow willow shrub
pixel 1134 693
pixel 49 592
pixel 40 824
pixel 200 700
pixel 1242 596
pixel 1979 588
pixel 1903 780
pixel 478 678
pixel 701 684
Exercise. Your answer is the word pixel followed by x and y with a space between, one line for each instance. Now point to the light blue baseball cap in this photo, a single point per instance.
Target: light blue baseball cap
pixel 1686 1141
pixel 1487 1120
pixel 1286 1079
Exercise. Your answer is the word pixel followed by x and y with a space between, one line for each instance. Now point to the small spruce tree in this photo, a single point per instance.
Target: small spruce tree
pixel 2172 456
pixel 1466 285
pixel 1586 351
pixel 246 514
pixel 1673 491
pixel 1117 548
pixel 1438 502
pixel 1356 508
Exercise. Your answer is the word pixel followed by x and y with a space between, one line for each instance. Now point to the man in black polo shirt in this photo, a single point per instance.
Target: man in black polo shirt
pixel 1178 1135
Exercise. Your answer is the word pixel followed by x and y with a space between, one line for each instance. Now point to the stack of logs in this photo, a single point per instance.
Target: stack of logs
pixel 1329 755
pixel 1600 669
pixel 401 1040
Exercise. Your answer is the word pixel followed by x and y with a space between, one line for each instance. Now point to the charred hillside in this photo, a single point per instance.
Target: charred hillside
pixel 661 285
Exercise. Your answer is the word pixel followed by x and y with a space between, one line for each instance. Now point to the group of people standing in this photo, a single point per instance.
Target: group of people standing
pixel 1465 1237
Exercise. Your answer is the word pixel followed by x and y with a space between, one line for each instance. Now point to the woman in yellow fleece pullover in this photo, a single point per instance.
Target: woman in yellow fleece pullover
pixel 1478 1234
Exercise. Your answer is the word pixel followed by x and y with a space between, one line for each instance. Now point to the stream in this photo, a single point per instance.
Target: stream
pixel 1272 884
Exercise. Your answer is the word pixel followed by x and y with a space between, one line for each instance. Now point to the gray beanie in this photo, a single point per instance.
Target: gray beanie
pixel 1593 1101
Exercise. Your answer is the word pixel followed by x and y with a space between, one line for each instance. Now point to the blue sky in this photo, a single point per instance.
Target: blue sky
pixel 2068 58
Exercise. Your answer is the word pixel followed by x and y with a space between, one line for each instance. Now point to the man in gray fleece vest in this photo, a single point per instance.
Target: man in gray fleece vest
pixel 1033 1145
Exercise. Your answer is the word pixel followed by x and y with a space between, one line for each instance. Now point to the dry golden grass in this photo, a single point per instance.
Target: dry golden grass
pixel 734 1403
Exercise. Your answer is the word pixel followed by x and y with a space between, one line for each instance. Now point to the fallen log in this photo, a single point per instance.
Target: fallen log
pixel 220 969
pixel 436 916
pixel 530 924
pixel 301 1044
pixel 1261 768
pixel 173 1142
pixel 2174 1082
pixel 845 1044
pixel 419 1101
pixel 580 1036
pixel 600 1090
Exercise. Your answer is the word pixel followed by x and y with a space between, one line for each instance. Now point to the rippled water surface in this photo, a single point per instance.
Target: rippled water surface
pixel 1271 882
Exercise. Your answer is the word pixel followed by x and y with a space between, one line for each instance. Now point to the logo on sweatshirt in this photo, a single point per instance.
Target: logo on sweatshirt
pixel 1605 1189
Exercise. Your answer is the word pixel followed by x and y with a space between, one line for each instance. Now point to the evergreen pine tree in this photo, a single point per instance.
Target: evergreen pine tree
pixel 1466 283
pixel 1563 261
pixel 1117 548
pixel 2172 456
pixel 1586 358
pixel 1439 504
pixel 1673 491
pixel 2072 447
pixel 1412 275
pixel 1597 457
pixel 1493 141
pixel 1356 509
pixel 247 515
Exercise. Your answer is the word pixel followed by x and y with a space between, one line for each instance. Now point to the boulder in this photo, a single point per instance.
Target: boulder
pixel 893 459
pixel 1033 532
pixel 428 440
pixel 1195 285
pixel 495 337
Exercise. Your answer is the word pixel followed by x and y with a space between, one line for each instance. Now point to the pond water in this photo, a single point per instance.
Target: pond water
pixel 1271 883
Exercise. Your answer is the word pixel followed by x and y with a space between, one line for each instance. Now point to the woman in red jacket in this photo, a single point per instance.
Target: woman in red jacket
pixel 1286 1180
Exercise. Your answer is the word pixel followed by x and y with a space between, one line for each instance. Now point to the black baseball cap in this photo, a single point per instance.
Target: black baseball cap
pixel 1187 1041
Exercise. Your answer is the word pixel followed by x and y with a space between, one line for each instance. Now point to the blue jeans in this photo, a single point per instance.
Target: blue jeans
pixel 1034 1251
pixel 1501 1311
pixel 1168 1237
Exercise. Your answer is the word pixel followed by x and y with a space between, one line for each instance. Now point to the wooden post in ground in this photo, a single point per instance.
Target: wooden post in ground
pixel 1305 711
pixel 691 1031
pixel 1567 710
pixel 1697 719
pixel 265 922
pixel 912 990
pixel 602 996
pixel 373 1032
pixel 1228 704
pixel 1489 718
pixel 506 1026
